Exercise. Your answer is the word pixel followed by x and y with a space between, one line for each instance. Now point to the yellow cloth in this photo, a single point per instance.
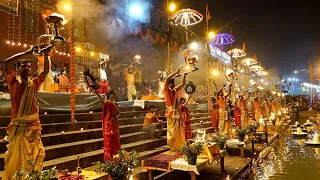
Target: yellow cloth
pixel 208 150
pixel 131 92
pixel 175 132
pixel 24 138
pixel 244 118
pixel 225 125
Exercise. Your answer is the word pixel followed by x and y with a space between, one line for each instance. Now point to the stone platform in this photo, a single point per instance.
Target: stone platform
pixel 65 141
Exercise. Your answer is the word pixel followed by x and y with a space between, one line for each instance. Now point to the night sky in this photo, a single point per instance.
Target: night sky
pixel 284 35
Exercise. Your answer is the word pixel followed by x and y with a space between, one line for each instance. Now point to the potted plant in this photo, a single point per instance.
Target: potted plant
pixel 241 132
pixel 119 168
pixel 220 140
pixel 192 149
pixel 49 174
pixel 253 127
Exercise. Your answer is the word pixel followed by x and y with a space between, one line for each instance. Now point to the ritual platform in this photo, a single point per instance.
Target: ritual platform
pixel 59 102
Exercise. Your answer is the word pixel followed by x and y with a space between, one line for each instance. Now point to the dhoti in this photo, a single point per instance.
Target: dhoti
pixel 175 132
pixel 25 148
pixel 131 92
pixel 244 118
pixel 224 124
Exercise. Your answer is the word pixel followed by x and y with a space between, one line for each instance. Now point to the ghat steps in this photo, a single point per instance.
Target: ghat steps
pixel 65 141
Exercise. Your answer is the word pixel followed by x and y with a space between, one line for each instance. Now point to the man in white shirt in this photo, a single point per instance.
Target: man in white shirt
pixel 103 74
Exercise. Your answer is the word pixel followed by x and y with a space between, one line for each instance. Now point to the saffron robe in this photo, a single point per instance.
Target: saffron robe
pixel 24 131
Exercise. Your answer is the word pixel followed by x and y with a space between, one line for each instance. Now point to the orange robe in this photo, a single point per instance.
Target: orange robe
pixel 175 132
pixel 214 116
pixel 24 131
pixel 257 109
pixel 268 109
pixel 63 79
pixel 110 130
pixel 244 113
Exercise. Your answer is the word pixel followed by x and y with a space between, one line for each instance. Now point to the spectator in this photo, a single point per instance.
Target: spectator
pixel 151 122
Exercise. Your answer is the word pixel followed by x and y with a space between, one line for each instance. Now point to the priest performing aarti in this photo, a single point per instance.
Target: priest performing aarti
pixel 243 109
pixel 24 131
pixel 175 131
pixel 130 78
pixel 225 124
pixel 25 148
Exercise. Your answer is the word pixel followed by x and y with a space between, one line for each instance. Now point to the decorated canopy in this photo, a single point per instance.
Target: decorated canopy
pixel 262 73
pixel 222 39
pixel 237 53
pixel 256 68
pixel 187 17
pixel 249 62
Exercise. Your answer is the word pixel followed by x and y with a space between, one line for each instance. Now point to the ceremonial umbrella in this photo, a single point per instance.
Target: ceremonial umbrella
pixel 256 68
pixel 187 17
pixel 249 61
pixel 237 53
pixel 223 39
pixel 262 73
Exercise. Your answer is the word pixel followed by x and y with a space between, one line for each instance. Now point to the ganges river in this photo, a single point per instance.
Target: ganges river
pixel 290 159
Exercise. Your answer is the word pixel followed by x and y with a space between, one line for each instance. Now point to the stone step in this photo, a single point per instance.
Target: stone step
pixel 88 127
pixel 68 126
pixel 83 146
pixel 86 135
pixel 63 118
pixel 86 159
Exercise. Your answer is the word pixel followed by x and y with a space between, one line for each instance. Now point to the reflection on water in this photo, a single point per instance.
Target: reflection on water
pixel 290 159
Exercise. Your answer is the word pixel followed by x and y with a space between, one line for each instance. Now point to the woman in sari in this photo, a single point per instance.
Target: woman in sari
pixel 186 118
pixel 110 125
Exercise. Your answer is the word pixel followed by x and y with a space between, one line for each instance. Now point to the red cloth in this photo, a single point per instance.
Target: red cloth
pixel 214 115
pixel 237 116
pixel 104 87
pixel 186 122
pixel 16 91
pixel 110 130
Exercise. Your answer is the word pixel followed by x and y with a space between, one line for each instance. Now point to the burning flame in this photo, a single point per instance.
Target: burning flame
pixel 64 21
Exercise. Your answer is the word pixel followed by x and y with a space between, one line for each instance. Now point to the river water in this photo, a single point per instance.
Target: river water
pixel 290 159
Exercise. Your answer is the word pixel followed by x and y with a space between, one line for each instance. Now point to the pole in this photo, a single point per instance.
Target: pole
pixel 209 81
pixel 168 42
pixel 72 78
